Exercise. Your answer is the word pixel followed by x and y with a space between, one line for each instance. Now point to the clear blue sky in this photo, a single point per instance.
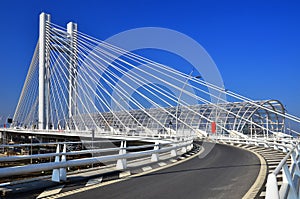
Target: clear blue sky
pixel 255 44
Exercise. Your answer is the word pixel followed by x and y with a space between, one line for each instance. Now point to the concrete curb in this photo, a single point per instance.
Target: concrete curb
pixel 260 180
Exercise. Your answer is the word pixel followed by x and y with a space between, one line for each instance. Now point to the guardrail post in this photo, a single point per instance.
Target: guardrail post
pixel 190 146
pixel 55 172
pixel 173 153
pixel 183 149
pixel 287 178
pixel 154 156
pixel 295 162
pixel 266 145
pixel 272 187
pixel 297 151
pixel 284 149
pixel 121 163
pixel 62 171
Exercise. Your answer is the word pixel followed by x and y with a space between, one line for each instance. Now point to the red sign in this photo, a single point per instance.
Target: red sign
pixel 213 127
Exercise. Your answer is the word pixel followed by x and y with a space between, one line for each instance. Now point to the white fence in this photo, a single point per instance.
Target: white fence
pixel 61 163
pixel 290 177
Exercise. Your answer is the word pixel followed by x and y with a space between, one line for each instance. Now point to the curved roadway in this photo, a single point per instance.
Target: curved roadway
pixel 226 172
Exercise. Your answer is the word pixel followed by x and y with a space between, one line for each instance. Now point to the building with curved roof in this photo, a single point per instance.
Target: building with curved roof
pixel 257 118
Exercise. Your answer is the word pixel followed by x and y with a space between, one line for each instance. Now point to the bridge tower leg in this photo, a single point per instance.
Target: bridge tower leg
pixel 44 50
pixel 72 104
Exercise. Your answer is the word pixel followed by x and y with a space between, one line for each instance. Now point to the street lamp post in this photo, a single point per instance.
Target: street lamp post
pixel 216 117
pixel 178 101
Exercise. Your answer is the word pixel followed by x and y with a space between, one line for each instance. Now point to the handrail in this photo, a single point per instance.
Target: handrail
pixel 290 184
pixel 56 143
pixel 47 155
pixel 17 170
pixel 282 162
pixel 286 147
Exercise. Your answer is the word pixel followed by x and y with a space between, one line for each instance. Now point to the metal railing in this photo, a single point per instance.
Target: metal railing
pixel 285 145
pixel 61 163
pixel 290 177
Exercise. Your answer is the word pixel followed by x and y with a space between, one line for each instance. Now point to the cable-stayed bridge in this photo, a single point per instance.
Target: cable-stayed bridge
pixel 81 86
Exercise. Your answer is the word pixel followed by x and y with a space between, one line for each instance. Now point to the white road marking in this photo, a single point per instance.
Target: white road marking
pixel 161 164
pixel 124 174
pixel 263 194
pixel 51 191
pixel 94 181
pixel 147 168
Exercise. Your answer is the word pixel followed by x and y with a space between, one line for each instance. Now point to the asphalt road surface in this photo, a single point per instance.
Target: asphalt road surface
pixel 226 172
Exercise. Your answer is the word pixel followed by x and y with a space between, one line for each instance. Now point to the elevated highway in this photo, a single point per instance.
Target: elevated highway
pixel 220 174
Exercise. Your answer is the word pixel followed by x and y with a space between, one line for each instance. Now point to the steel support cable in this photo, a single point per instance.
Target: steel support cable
pixel 101 99
pixel 183 122
pixel 139 93
pixel 60 80
pixel 232 113
pixel 66 76
pixel 186 77
pixel 205 83
pixel 137 79
pixel 226 110
pixel 131 55
pixel 286 115
pixel 84 86
pixel 28 79
pixel 111 86
pixel 92 77
pixel 244 99
pixel 148 73
pixel 28 101
pixel 122 93
pixel 201 99
pixel 108 93
pixel 173 77
pixel 52 83
pixel 100 93
pixel 92 119
pixel 59 90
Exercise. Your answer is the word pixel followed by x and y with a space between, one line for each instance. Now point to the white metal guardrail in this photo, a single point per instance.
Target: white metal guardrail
pixel 285 145
pixel 61 163
pixel 290 177
pixel 97 134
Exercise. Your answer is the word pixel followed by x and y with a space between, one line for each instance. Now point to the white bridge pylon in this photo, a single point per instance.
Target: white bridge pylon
pixel 76 82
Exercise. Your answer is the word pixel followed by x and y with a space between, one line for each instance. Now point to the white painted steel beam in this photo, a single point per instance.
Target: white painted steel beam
pixel 43 84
